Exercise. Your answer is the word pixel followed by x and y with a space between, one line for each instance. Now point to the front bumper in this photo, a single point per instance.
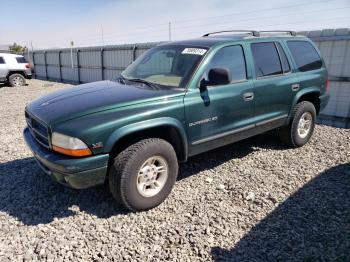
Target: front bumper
pixel 73 172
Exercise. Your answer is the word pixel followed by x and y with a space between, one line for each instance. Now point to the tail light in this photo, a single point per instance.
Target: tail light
pixel 27 65
pixel 327 86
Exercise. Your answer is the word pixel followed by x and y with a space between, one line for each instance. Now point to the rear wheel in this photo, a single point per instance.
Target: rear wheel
pixel 301 126
pixel 144 174
pixel 17 80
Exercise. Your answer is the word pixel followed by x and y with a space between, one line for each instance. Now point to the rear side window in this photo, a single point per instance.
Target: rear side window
pixel 284 59
pixel 305 55
pixel 2 61
pixel 266 59
pixel 21 60
pixel 231 58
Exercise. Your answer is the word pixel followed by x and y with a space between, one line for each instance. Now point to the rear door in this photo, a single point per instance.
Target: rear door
pixel 275 84
pixel 310 69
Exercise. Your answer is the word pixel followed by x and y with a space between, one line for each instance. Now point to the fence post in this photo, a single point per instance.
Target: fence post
pixel 102 64
pixel 59 64
pixel 45 66
pixel 134 53
pixel 78 66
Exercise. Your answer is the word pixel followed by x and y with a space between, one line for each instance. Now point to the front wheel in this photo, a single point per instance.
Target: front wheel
pixel 301 127
pixel 144 174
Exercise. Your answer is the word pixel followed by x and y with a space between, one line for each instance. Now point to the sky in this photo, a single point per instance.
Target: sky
pixel 51 24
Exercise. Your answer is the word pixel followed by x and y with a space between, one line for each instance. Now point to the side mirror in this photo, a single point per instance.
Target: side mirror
pixel 219 76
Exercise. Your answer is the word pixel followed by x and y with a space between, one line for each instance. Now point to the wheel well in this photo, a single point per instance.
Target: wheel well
pixel 313 98
pixel 168 133
pixel 14 72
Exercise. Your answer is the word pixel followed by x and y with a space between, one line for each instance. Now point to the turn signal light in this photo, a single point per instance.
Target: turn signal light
pixel 72 152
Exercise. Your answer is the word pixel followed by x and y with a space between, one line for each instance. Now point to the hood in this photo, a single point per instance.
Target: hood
pixel 89 98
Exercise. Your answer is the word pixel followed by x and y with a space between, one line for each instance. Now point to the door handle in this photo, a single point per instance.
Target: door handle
pixel 295 87
pixel 248 96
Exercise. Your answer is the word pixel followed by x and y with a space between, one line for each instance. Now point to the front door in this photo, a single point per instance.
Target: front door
pixel 213 115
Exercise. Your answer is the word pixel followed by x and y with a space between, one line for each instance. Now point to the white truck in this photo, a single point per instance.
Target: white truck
pixel 14 69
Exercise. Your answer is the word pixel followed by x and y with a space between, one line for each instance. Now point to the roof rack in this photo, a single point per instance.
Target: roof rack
pixel 252 32
pixel 292 33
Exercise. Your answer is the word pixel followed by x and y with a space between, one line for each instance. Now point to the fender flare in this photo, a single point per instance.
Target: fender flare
pixel 147 124
pixel 301 93
pixel 11 72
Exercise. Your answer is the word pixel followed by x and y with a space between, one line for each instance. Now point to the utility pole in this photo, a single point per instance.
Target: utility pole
pixel 28 54
pixel 31 44
pixel 102 38
pixel 169 31
pixel 71 53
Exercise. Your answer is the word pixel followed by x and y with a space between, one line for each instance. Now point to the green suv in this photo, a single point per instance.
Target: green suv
pixel 177 100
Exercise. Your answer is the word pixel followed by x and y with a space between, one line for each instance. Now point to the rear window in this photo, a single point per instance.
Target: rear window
pixel 305 55
pixel 21 60
pixel 266 59
pixel 2 61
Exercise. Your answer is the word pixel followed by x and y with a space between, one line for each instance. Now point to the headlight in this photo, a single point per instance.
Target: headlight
pixel 68 145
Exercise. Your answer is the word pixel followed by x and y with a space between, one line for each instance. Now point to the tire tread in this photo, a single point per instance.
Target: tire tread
pixel 286 134
pixel 118 182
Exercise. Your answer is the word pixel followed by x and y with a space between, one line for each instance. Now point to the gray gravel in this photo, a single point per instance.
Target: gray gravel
pixel 251 201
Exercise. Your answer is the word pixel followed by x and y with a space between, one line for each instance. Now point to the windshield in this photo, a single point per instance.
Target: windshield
pixel 168 65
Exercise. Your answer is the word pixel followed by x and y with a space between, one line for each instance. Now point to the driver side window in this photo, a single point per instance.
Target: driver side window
pixel 231 58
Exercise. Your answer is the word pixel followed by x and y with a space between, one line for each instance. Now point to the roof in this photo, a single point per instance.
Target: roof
pixel 209 41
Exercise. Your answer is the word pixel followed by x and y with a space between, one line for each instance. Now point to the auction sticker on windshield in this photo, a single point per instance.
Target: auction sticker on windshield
pixel 194 51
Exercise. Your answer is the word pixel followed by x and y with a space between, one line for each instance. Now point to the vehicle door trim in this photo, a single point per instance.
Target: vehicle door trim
pixel 227 133
pixel 271 120
pixel 238 130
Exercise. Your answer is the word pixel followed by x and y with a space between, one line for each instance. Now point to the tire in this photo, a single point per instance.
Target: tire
pixel 292 134
pixel 17 80
pixel 128 175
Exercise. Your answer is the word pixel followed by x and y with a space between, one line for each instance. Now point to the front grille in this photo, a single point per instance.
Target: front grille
pixel 38 130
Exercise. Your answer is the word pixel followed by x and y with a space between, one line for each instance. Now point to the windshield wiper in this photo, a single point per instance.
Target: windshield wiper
pixel 139 80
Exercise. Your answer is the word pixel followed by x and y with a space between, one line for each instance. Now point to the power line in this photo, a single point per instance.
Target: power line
pixel 183 28
pixel 254 11
pixel 263 26
pixel 142 29
pixel 266 17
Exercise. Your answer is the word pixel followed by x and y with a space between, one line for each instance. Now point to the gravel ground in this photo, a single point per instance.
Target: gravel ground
pixel 251 201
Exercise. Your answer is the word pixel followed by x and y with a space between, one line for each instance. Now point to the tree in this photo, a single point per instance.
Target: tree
pixel 18 49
